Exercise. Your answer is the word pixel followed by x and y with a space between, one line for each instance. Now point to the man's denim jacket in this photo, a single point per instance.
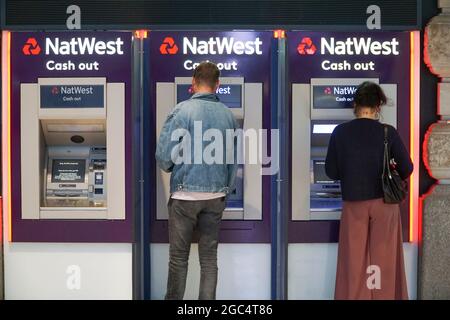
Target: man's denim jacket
pixel 200 159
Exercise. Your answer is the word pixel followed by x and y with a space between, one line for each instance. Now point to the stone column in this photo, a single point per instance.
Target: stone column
pixel 434 268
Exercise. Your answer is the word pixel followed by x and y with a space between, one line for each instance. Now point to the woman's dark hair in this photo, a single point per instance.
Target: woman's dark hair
pixel 370 95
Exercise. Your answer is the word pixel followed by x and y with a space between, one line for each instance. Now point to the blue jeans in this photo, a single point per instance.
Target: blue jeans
pixel 184 217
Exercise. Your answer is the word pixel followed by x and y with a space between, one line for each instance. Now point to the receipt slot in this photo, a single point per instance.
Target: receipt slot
pixel 72 149
pixel 245 102
pixel 317 108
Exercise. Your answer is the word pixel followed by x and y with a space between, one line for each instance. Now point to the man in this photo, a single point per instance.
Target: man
pixel 198 188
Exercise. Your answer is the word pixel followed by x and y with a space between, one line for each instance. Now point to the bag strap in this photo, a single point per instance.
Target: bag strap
pixel 386 167
pixel 385 133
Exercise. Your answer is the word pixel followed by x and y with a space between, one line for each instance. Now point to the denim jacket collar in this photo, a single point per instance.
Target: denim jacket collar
pixel 206 96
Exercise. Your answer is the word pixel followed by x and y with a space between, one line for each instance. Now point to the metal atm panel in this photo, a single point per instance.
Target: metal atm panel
pixel 316 110
pixel 325 193
pixel 245 202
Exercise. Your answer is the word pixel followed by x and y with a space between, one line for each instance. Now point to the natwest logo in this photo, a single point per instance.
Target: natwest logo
pixel 359 46
pixel 31 47
pixel 306 46
pixel 168 46
pixel 344 90
pixel 221 45
pixel 83 46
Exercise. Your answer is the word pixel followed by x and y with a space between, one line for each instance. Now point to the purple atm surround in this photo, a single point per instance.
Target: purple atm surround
pixel 27 68
pixel 165 65
pixel 305 58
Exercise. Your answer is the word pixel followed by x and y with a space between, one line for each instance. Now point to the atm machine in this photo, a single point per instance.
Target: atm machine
pixel 245 202
pixel 317 108
pixel 72 149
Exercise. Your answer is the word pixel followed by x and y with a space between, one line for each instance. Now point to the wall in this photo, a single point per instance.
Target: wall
pixel 312 270
pixel 42 271
pixel 244 271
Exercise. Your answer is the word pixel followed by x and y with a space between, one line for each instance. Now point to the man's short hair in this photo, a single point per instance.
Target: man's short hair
pixel 206 73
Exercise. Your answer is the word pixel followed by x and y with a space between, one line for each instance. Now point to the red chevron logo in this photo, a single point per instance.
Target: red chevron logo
pixel 168 46
pixel 31 47
pixel 306 46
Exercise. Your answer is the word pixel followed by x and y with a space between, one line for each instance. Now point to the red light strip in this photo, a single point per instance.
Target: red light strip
pixel 414 214
pixel 6 130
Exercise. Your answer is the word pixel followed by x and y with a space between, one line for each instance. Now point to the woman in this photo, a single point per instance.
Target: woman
pixel 370 257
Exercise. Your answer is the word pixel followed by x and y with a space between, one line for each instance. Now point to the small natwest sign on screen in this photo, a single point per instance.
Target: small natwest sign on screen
pixel 228 94
pixel 333 97
pixel 72 96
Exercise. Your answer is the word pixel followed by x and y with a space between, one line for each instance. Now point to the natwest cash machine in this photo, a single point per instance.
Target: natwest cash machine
pixel 244 61
pixel 68 144
pixel 67 150
pixel 325 69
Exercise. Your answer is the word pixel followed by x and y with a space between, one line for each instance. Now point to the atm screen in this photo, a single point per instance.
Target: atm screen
pixel 320 177
pixel 333 96
pixel 68 170
pixel 229 94
pixel 184 92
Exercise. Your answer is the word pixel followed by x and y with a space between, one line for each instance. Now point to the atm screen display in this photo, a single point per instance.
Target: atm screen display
pixel 72 96
pixel 68 170
pixel 319 174
pixel 229 94
pixel 333 97
pixel 184 92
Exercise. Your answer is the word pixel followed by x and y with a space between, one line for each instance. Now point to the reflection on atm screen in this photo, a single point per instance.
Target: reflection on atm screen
pixel 68 170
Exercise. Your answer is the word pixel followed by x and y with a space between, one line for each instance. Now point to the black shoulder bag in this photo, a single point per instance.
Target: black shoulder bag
pixel 395 188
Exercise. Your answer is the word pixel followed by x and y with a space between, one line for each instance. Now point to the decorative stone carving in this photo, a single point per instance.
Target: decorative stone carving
pixel 436 152
pixel 444 3
pixel 437 45
pixel 434 271
pixel 444 99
